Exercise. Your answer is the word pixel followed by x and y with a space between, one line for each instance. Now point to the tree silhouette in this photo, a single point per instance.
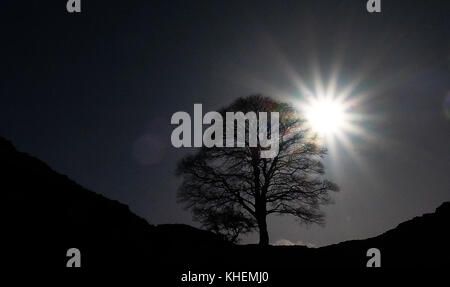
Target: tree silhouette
pixel 232 190
pixel 229 222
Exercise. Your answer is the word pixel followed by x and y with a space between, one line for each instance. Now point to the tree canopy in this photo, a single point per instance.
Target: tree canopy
pixel 232 190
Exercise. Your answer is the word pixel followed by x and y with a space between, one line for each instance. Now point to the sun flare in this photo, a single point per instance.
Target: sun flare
pixel 325 115
pixel 333 113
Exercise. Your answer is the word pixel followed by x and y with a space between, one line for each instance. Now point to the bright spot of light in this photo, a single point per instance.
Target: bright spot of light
pixel 326 115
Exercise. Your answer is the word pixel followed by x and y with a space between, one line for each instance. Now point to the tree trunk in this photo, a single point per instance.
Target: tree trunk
pixel 261 214
pixel 263 234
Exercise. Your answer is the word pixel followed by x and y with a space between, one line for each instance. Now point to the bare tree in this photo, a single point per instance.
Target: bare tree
pixel 229 222
pixel 238 185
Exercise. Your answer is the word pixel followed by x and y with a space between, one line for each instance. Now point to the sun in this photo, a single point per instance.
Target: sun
pixel 332 112
pixel 325 115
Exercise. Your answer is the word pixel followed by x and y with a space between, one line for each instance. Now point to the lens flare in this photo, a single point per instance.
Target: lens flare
pixel 325 115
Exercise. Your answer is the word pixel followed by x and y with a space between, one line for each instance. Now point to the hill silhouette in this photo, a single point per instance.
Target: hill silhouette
pixel 47 213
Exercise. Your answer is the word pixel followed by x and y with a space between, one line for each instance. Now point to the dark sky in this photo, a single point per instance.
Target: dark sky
pixel 92 95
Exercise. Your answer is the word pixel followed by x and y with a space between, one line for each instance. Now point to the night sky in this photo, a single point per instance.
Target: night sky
pixel 92 94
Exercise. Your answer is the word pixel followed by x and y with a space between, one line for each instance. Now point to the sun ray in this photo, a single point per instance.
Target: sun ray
pixel 331 113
